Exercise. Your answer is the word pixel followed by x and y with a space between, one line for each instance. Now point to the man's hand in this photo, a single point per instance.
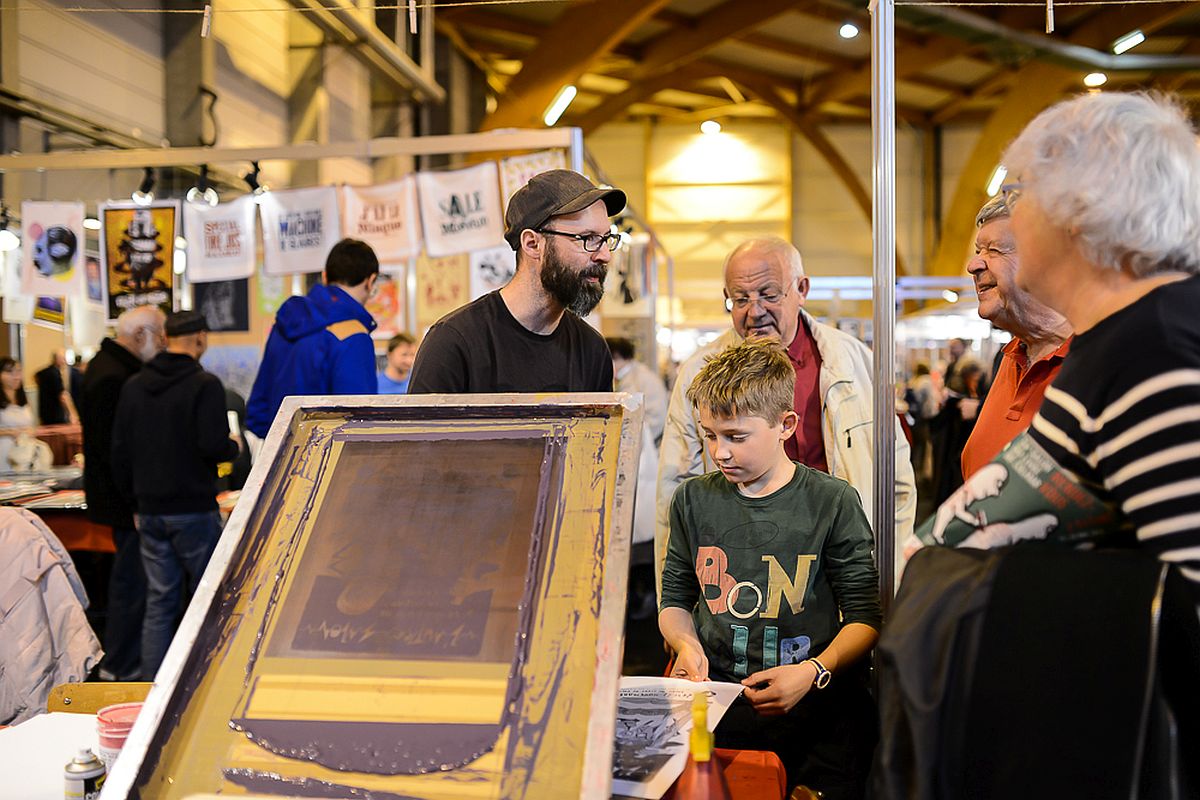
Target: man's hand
pixel 691 664
pixel 776 691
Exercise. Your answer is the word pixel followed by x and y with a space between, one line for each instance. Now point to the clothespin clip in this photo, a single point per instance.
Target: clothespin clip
pixel 1049 16
pixel 412 17
pixel 206 22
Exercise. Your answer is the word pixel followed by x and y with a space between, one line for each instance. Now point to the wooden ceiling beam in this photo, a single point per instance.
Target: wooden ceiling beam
pixel 579 37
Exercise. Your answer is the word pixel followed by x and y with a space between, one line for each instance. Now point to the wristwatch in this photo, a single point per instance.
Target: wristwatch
pixel 823 675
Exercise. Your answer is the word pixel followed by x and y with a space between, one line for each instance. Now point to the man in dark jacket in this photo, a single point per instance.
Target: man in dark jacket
pixel 170 434
pixel 321 343
pixel 56 400
pixel 139 338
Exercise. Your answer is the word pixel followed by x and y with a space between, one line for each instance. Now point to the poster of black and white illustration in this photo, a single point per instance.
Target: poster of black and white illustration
pixel 225 304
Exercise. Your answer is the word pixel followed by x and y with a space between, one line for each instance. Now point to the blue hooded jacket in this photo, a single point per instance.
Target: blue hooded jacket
pixel 321 344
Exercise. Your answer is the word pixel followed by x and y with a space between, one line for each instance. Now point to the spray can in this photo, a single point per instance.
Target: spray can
pixel 85 775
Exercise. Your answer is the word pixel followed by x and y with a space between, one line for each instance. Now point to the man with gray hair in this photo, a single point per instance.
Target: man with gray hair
pixel 765 289
pixel 140 336
pixel 1030 362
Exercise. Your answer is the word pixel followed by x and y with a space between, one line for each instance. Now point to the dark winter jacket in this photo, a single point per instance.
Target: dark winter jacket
pixel 170 433
pixel 106 374
pixel 321 344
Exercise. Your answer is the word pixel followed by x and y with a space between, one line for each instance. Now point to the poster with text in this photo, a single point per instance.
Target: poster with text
pixel 460 210
pixel 220 240
pixel 300 227
pixel 491 269
pixel 515 172
pixel 52 255
pixel 137 251
pixel 387 304
pixel 442 286
pixel 224 304
pixel 384 217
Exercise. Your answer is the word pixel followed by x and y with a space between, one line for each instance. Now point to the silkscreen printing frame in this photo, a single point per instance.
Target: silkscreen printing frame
pixel 175 686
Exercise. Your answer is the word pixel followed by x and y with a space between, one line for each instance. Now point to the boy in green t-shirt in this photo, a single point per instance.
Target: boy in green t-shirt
pixel 769 580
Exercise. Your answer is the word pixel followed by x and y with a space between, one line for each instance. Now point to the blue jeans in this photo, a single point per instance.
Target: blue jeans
pixel 126 608
pixel 175 549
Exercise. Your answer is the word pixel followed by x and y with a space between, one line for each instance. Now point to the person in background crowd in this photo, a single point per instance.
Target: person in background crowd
pixel 921 396
pixel 321 343
pixel 58 384
pixel 16 417
pixel 636 378
pixel 959 355
pixel 401 352
pixel 1122 414
pixel 139 338
pixel 765 287
pixel 170 433
pixel 1031 361
pixel 530 335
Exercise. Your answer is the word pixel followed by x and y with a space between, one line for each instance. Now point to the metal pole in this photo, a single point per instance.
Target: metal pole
pixel 883 229
pixel 575 149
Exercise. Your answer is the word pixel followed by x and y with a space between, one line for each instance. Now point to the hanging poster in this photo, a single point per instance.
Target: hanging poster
pixel 300 227
pixel 460 210
pixel 442 286
pixel 386 305
pixel 93 279
pixel 220 240
pixel 272 290
pixel 491 269
pixel 18 307
pixel 49 312
pixel 384 217
pixel 52 258
pixel 224 304
pixel 137 250
pixel 515 172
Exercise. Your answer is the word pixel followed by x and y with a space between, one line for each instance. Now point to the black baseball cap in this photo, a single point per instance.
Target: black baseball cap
pixel 181 323
pixel 549 194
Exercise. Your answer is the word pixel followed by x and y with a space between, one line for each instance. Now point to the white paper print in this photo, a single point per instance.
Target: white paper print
pixel 300 227
pixel 460 210
pixel 384 217
pixel 220 240
pixel 18 307
pixel 491 269
pixel 52 249
pixel 515 172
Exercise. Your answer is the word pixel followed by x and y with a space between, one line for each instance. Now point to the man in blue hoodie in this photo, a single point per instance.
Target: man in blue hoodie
pixel 321 343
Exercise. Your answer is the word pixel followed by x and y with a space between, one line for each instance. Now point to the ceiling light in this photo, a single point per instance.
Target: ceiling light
pixel 179 262
pixel 561 100
pixel 202 192
pixel 144 195
pixel 997 180
pixel 9 240
pixel 710 126
pixel 949 296
pixel 1095 79
pixel 848 30
pixel 91 223
pixel 180 243
pixel 1128 42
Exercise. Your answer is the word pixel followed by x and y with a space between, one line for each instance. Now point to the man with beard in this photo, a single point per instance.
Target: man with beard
pixel 140 337
pixel 529 336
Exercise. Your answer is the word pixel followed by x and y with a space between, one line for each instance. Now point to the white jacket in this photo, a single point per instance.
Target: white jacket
pixel 847 404
pixel 639 378
pixel 45 638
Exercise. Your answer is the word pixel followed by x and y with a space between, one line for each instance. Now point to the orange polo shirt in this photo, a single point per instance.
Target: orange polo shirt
pixel 1012 402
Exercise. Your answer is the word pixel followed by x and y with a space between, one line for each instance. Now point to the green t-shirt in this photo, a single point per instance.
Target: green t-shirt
pixel 769 580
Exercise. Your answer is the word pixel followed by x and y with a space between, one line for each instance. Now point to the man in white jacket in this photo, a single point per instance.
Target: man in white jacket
pixel 765 287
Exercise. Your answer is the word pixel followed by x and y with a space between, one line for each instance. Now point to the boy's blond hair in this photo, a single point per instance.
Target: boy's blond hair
pixel 754 378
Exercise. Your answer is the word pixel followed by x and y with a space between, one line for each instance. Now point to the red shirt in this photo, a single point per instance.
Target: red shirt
pixel 1012 402
pixel 808 445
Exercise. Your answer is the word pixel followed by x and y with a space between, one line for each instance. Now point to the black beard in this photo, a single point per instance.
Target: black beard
pixel 570 287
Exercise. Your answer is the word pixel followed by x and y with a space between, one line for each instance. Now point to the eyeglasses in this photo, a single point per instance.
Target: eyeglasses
pixel 1011 192
pixel 768 297
pixel 591 241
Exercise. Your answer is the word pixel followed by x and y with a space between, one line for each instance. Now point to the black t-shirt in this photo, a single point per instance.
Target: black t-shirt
pixel 482 348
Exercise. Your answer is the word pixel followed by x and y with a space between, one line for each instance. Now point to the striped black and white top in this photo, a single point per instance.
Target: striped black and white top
pixel 1123 416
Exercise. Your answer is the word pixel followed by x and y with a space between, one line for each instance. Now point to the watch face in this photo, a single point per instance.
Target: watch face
pixel 823 678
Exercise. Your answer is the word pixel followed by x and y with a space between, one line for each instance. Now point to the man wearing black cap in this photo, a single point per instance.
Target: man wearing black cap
pixel 170 433
pixel 530 336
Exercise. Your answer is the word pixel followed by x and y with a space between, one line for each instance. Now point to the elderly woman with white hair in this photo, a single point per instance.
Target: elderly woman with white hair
pixel 1105 208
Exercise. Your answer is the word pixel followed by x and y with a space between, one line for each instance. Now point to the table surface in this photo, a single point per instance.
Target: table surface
pixel 34 753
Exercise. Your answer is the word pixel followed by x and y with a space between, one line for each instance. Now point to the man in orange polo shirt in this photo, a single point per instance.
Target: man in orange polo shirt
pixel 1041 338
